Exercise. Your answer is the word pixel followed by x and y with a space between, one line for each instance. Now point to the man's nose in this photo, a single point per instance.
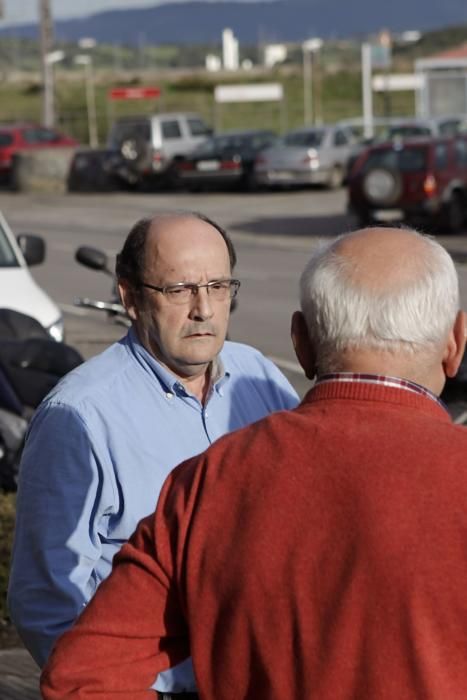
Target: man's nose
pixel 201 305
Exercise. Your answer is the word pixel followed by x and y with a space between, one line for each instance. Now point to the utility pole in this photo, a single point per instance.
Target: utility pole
pixel 46 44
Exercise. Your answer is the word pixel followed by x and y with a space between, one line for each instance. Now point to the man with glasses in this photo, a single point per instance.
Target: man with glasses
pixel 101 444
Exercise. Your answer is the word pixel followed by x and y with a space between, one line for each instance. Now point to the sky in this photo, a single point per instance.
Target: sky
pixel 25 11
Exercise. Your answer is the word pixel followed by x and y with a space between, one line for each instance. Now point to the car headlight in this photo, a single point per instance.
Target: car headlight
pixel 56 330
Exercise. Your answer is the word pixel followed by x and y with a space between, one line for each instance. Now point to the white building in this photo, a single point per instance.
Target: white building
pixel 213 63
pixel 229 50
pixel 274 53
pixel 444 90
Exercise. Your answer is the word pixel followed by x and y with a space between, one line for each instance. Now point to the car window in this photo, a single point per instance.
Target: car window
pixel 449 127
pixel 38 135
pixel 124 131
pixel 461 152
pixel 223 143
pixel 170 129
pixel 441 156
pixel 304 138
pixel 408 131
pixel 6 139
pixel 7 254
pixel 403 160
pixel 197 127
pixel 262 141
pixel 340 139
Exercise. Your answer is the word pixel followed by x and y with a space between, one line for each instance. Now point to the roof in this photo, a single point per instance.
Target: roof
pixel 451 58
pixel 457 52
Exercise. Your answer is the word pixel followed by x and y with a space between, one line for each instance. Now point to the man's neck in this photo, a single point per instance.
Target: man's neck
pixel 199 386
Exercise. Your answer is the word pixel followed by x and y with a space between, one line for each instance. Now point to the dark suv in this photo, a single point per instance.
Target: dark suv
pixel 422 181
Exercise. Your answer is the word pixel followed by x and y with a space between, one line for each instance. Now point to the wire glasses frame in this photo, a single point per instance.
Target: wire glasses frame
pixel 183 292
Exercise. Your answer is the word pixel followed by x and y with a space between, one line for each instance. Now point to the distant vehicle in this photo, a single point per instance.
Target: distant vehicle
pixel 151 144
pixel 422 181
pixel 407 128
pixel 224 160
pixel 306 156
pixel 18 290
pixel 27 137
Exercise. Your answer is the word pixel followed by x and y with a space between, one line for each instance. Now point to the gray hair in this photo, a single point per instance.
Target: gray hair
pixel 343 314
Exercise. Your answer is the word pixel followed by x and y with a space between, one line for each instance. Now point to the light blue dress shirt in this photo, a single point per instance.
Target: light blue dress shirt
pixel 97 453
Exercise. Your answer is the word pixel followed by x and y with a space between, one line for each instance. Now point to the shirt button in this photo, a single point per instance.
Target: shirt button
pixel 169 395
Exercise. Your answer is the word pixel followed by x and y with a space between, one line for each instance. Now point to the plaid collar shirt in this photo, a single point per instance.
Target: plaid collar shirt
pixel 395 382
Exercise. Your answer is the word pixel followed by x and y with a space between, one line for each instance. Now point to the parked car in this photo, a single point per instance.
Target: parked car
pixel 423 181
pixel 226 159
pixel 306 156
pixel 27 137
pixel 398 129
pixel 18 290
pixel 151 144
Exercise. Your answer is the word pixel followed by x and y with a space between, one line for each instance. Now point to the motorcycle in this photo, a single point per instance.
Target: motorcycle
pixel 96 259
pixel 31 363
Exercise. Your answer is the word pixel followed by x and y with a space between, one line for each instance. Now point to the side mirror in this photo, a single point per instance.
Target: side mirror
pixel 93 258
pixel 32 248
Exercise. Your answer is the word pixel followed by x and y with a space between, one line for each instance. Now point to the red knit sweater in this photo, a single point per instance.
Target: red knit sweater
pixel 319 554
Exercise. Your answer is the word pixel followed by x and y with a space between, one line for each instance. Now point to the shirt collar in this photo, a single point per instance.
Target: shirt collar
pixel 381 379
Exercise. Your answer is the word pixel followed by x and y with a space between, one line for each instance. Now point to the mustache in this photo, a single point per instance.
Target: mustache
pixel 199 328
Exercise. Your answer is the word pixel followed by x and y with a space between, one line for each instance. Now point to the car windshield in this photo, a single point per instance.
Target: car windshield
pixel 407 131
pixel 403 159
pixel 223 143
pixel 309 139
pixel 7 254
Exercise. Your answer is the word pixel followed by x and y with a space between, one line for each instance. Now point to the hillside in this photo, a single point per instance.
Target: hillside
pixel 252 22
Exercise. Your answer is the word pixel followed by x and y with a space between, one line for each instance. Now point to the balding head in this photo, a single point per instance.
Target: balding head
pixel 131 259
pixel 378 290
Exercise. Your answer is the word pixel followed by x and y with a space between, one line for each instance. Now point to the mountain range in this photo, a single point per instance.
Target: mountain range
pixel 252 22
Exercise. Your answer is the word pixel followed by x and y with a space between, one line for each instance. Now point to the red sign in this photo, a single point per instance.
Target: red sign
pixel 134 93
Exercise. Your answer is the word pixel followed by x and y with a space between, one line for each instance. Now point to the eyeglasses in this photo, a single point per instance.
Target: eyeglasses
pixel 218 290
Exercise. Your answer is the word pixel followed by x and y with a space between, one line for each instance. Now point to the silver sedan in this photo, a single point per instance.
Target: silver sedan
pixel 306 156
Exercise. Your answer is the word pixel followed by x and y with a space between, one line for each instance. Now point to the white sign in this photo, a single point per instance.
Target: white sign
pixel 258 92
pixel 397 81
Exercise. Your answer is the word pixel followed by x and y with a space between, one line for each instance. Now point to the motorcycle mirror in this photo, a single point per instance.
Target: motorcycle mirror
pixel 93 258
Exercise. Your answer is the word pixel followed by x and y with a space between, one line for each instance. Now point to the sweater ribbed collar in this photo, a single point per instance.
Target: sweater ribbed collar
pixel 368 387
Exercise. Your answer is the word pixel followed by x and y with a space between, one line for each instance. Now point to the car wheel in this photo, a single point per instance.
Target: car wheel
pixel 336 177
pixel 455 213
pixel 135 151
pixel 382 186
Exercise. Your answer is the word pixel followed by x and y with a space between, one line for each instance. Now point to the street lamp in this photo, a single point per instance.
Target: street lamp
pixel 86 61
pixel 309 47
pixel 49 59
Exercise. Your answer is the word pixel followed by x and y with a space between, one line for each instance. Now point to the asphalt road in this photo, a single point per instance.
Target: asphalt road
pixel 273 233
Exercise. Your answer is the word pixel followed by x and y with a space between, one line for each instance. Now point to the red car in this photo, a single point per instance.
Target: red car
pixel 422 181
pixel 26 137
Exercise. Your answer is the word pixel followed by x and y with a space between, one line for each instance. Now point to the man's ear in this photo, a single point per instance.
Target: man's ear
pixel 455 347
pixel 302 345
pixel 127 295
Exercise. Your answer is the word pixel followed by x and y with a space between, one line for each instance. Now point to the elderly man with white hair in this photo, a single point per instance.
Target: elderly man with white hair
pixel 320 552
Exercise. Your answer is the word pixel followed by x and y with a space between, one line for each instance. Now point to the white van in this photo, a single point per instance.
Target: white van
pixel 18 290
